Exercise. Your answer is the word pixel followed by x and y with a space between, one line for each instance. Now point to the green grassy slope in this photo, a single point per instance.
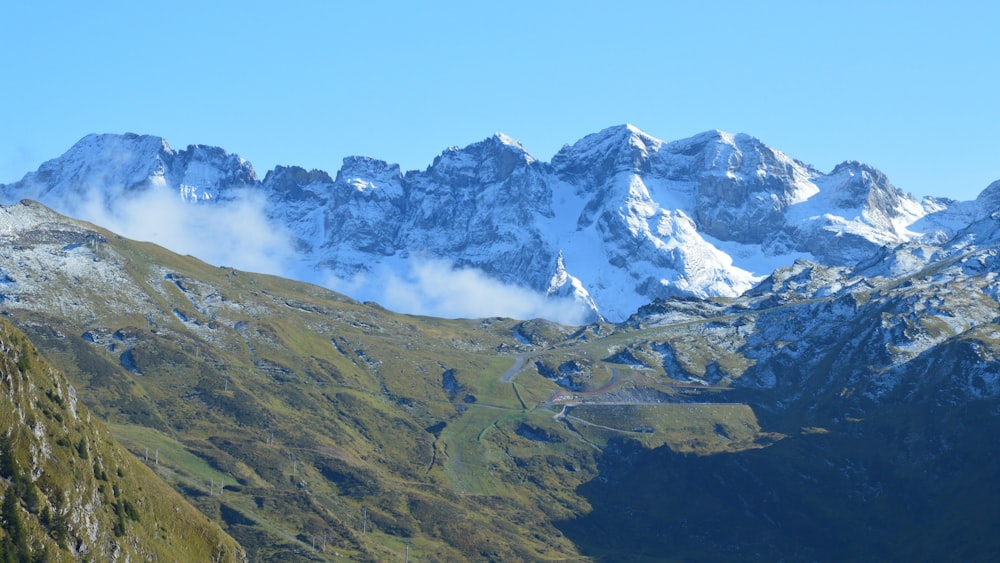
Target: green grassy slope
pixel 70 491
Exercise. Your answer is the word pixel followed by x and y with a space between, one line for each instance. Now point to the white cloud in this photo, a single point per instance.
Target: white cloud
pixel 235 234
pixel 434 287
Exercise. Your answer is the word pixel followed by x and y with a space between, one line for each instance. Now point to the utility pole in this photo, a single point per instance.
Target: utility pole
pixel 364 520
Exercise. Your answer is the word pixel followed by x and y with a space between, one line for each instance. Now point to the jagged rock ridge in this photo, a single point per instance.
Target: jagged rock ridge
pixel 629 217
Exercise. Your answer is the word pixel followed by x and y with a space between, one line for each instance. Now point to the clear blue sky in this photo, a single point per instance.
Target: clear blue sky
pixel 909 87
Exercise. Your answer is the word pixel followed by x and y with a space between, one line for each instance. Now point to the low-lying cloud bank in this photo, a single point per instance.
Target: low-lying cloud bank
pixel 235 234
pixel 435 287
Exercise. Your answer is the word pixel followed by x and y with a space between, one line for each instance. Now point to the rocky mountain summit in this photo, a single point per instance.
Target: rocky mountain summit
pixel 122 166
pixel 615 220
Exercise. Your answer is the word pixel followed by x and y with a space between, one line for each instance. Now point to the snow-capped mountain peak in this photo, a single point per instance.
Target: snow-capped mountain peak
pixel 107 167
pixel 505 139
pixel 95 161
pixel 623 148
pixel 857 200
pixel 491 160
pixel 989 200
pixel 366 174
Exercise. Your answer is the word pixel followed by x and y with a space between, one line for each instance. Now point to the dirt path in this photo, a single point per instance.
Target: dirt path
pixel 508 375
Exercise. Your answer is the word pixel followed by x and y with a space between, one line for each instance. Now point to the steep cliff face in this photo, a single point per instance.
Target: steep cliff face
pixel 743 187
pixel 70 491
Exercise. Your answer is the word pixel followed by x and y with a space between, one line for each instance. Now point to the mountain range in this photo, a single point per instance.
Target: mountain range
pixel 615 220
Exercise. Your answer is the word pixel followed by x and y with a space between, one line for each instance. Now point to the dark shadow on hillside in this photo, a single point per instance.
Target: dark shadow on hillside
pixel 864 493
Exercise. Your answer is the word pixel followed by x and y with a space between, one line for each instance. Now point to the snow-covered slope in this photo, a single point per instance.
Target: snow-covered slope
pixel 110 167
pixel 613 221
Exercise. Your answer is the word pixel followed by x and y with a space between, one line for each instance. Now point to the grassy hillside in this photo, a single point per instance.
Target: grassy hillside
pixel 70 491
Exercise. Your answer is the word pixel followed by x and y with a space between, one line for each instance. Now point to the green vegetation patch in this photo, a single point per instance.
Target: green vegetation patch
pixel 684 427
pixel 159 450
